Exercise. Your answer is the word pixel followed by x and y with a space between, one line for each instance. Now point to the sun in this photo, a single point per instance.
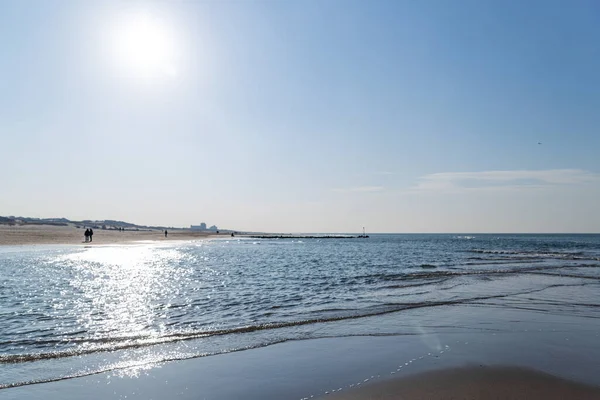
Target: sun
pixel 145 47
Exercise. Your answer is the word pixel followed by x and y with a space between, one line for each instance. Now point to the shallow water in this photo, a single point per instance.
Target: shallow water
pixel 70 311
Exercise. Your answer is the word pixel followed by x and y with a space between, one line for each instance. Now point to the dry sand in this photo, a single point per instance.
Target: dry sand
pixel 474 383
pixel 47 234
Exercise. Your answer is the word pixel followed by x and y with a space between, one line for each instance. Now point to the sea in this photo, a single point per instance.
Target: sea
pixel 69 311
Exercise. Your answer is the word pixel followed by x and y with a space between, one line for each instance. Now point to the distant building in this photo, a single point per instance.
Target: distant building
pixel 201 227
pixel 213 228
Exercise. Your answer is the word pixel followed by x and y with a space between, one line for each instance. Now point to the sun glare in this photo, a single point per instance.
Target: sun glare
pixel 145 47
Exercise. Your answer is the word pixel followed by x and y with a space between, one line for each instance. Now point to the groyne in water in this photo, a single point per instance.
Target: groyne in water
pixel 303 237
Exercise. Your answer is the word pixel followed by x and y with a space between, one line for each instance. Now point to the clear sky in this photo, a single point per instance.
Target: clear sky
pixel 303 116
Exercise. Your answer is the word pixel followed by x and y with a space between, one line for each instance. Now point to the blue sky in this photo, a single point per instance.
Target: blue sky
pixel 304 116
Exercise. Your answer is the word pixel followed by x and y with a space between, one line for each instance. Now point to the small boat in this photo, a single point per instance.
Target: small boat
pixel 364 235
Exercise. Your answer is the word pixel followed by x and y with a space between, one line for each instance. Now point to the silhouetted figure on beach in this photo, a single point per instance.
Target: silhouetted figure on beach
pixel 166 233
pixel 87 235
pixel 91 234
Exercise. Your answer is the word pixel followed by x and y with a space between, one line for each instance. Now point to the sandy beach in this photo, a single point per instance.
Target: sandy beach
pixel 48 234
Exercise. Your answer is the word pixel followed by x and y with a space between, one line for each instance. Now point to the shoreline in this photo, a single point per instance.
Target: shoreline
pixel 340 368
pixel 70 235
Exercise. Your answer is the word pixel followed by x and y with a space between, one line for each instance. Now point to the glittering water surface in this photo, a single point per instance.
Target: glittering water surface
pixel 72 311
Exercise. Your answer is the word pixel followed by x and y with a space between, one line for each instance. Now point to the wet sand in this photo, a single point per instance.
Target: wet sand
pixel 481 383
pixel 352 368
pixel 48 234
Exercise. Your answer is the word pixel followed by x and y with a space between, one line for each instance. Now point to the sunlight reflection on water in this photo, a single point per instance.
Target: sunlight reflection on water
pixel 120 288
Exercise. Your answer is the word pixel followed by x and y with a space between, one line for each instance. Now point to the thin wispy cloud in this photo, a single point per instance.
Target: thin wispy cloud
pixel 503 180
pixel 360 189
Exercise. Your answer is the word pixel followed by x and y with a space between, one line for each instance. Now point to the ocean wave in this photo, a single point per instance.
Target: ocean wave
pixel 567 255
pixel 122 343
pixel 431 273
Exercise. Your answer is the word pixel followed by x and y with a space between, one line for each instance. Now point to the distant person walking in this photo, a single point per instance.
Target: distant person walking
pixel 166 233
pixel 91 234
pixel 87 235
